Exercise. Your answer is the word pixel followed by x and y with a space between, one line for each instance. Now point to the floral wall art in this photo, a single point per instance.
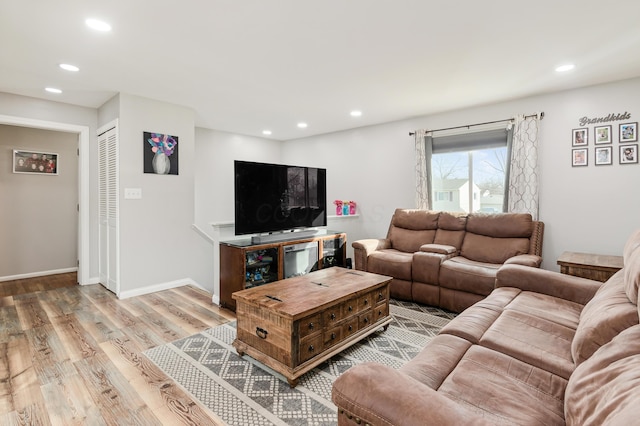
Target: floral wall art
pixel 160 153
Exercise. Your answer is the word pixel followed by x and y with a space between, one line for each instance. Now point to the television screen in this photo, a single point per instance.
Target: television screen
pixel 277 197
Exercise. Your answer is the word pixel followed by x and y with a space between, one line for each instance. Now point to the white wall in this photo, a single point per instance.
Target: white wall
pixel 587 209
pixel 158 246
pixel 214 199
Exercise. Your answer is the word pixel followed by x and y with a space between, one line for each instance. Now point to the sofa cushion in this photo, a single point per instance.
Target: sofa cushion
pixel 459 273
pixel 415 219
pixel 536 341
pixel 501 225
pixel 631 256
pixel 391 262
pixel 608 313
pixel 433 364
pixel 560 311
pixel 483 248
pixel 504 390
pixel 603 390
pixel 409 240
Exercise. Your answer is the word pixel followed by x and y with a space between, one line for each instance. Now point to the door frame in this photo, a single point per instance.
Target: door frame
pixel 84 251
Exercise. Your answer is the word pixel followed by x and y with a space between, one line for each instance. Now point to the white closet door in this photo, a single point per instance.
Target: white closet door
pixel 108 209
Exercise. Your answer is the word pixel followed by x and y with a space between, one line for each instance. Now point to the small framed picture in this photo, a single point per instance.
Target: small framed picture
pixel 579 137
pixel 35 162
pixel 628 132
pixel 628 154
pixel 603 156
pixel 579 157
pixel 602 135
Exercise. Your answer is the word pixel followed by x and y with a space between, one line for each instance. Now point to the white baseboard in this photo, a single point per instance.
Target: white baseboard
pixel 37 274
pixel 159 287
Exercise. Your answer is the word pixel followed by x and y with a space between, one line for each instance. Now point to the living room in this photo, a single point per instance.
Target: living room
pixel 202 194
pixel 169 226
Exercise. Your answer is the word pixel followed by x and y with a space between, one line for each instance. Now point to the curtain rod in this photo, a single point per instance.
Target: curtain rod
pixel 479 124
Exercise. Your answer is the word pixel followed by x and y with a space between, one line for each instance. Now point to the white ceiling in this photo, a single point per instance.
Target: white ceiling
pixel 249 65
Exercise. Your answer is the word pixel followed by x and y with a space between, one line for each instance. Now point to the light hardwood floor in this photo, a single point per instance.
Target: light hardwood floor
pixel 72 354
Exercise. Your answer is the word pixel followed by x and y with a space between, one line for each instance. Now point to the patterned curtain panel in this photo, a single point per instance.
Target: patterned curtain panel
pixel 523 173
pixel 423 198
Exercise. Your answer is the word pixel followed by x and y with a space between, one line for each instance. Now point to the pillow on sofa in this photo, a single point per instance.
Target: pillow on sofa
pixel 604 317
pixel 604 389
pixel 492 250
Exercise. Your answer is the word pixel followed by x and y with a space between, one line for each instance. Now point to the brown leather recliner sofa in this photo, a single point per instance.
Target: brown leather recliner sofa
pixel 542 349
pixel 447 259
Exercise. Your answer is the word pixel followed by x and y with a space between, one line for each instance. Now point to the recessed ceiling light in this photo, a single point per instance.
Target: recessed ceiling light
pixel 266 132
pixel 302 125
pixel 98 25
pixel 53 90
pixel 356 113
pixel 565 68
pixel 69 67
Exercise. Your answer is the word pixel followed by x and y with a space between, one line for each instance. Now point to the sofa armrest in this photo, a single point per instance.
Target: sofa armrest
pixel 439 249
pixel 379 395
pixel 575 289
pixel 525 259
pixel 363 248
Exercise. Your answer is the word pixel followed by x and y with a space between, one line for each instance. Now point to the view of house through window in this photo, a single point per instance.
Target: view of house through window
pixel 469 181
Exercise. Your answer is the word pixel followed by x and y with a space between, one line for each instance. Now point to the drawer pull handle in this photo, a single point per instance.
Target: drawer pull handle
pixel 333 336
pixel 350 308
pixel 366 302
pixel 350 328
pixel 379 313
pixel 311 348
pixel 366 320
pixel 380 296
pixel 261 333
pixel 333 316
pixel 310 326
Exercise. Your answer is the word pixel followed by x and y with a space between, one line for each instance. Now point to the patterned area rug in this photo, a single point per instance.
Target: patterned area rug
pixel 242 391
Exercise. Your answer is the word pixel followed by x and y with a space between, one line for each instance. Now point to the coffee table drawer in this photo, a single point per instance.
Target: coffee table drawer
pixel 310 347
pixel 365 320
pixel 310 325
pixel 380 311
pixel 332 315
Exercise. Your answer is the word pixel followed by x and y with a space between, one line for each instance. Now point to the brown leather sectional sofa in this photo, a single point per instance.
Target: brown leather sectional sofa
pixel 542 349
pixel 446 259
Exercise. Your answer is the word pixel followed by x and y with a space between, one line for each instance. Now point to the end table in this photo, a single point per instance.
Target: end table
pixel 599 267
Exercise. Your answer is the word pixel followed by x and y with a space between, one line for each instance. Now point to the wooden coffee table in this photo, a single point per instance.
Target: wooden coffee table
pixel 295 324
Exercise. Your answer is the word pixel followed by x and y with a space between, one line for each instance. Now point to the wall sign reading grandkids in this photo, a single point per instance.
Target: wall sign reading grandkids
pixel 603 136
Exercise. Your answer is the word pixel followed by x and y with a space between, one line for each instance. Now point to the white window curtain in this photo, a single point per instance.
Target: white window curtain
pixel 523 171
pixel 423 187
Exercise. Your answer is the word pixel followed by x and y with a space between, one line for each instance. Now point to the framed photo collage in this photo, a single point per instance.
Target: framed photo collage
pixel 605 149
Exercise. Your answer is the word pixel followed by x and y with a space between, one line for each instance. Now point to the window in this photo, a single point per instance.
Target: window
pixel 444 195
pixel 468 172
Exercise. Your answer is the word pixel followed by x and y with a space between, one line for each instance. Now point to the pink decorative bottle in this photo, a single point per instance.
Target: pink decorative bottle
pixel 338 204
pixel 352 207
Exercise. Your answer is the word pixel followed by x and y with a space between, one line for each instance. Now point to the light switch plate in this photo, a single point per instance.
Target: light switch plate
pixel 132 193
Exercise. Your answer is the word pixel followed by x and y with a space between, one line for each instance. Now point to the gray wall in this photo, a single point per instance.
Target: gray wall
pixel 56 112
pixel 38 218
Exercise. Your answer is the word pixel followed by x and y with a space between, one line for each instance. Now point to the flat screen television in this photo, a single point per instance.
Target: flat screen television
pixel 277 197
